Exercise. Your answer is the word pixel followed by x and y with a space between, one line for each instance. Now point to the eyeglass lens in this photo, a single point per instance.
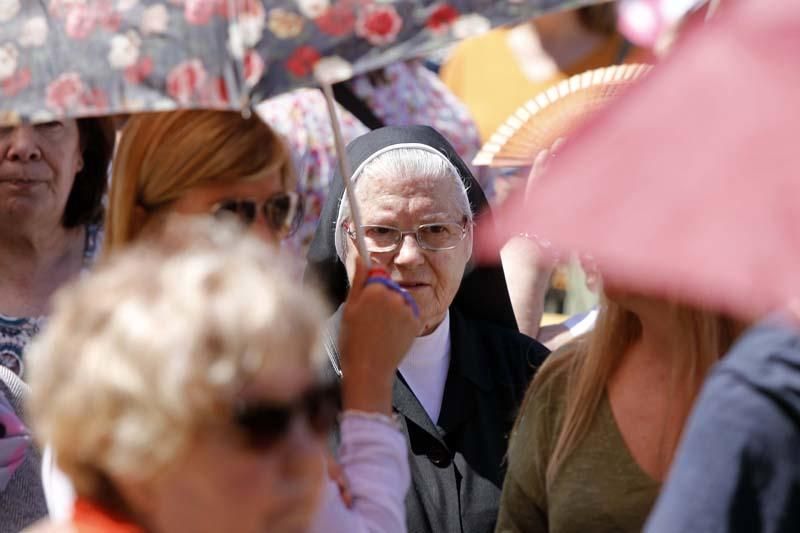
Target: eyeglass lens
pixel 283 212
pixel 264 424
pixel 280 211
pixel 431 236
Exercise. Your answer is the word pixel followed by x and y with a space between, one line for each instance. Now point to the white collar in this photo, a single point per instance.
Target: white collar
pixel 430 349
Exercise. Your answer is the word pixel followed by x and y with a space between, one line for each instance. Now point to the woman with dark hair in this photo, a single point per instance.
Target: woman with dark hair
pixel 458 386
pixel 52 180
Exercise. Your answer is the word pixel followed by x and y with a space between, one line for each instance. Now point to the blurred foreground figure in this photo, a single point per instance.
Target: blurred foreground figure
pixel 200 362
pixel 221 164
pixel 738 466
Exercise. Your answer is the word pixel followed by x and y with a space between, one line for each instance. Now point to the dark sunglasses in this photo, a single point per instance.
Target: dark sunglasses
pixel 264 424
pixel 283 211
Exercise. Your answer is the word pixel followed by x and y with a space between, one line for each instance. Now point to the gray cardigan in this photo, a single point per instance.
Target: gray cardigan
pixel 22 502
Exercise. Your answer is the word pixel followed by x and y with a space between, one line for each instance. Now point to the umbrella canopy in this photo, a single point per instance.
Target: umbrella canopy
pixel 687 186
pixel 89 57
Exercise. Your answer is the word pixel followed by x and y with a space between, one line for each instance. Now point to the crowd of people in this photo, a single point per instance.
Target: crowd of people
pixel 165 367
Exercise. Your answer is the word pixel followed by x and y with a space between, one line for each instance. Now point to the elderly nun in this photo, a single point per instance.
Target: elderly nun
pixel 458 388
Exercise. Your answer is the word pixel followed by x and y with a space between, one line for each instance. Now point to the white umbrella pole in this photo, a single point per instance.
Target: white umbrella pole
pixel 344 169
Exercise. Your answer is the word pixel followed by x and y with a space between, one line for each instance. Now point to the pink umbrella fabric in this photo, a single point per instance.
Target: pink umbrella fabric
pixel 688 187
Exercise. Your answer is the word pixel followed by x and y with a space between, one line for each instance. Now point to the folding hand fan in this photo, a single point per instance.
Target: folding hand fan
pixel 553 113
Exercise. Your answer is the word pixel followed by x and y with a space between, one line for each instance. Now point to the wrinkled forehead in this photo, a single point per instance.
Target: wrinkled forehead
pixel 436 187
pixel 419 200
pixel 425 148
pixel 439 188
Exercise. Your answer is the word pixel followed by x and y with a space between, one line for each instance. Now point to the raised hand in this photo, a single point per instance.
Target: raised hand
pixel 378 327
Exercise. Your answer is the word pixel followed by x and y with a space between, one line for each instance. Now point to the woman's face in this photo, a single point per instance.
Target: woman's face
pixel 202 200
pixel 37 169
pixel 225 484
pixel 431 277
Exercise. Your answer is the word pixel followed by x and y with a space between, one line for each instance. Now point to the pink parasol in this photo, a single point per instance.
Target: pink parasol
pixel 688 187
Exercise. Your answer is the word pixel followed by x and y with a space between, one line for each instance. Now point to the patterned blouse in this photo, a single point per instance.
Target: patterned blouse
pixel 17 332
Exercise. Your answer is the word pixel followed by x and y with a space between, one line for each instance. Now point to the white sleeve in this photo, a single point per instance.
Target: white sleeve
pixel 58 491
pixel 374 457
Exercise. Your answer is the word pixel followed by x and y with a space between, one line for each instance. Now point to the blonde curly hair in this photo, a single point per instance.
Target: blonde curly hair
pixel 140 355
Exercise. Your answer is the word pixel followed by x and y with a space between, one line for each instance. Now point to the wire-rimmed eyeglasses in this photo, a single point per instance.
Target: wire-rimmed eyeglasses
pixel 435 236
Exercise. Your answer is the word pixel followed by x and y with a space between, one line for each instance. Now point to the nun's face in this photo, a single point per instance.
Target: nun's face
pixel 431 277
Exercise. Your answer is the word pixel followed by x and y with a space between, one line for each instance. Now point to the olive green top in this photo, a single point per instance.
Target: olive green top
pixel 599 488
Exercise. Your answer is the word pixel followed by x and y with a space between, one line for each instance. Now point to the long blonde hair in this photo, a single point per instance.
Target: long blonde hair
pixel 589 362
pixel 163 155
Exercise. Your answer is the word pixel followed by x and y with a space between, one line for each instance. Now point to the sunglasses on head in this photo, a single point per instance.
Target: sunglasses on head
pixel 283 212
pixel 263 424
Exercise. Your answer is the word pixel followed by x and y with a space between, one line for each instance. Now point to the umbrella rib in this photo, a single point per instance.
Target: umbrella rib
pixel 344 168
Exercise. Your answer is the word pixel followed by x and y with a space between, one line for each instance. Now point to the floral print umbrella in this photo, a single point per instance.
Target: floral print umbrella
pixel 91 57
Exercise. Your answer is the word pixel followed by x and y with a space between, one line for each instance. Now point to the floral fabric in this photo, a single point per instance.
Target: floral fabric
pixel 408 93
pixel 301 116
pixel 88 57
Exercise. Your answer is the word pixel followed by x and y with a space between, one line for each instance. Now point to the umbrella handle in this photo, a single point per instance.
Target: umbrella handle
pixel 380 276
pixel 344 169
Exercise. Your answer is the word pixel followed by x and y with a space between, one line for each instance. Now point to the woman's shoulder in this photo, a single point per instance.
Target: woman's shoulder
pixel 555 372
pixel 545 400
pixel 547 391
pixel 536 428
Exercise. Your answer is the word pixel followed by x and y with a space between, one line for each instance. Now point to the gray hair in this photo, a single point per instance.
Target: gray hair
pixel 405 161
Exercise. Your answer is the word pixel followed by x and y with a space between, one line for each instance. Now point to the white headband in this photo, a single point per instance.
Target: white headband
pixel 385 149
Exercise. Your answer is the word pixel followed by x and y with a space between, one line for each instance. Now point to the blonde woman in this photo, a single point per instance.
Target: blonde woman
pixel 180 388
pixel 599 427
pixel 221 164
pixel 200 162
